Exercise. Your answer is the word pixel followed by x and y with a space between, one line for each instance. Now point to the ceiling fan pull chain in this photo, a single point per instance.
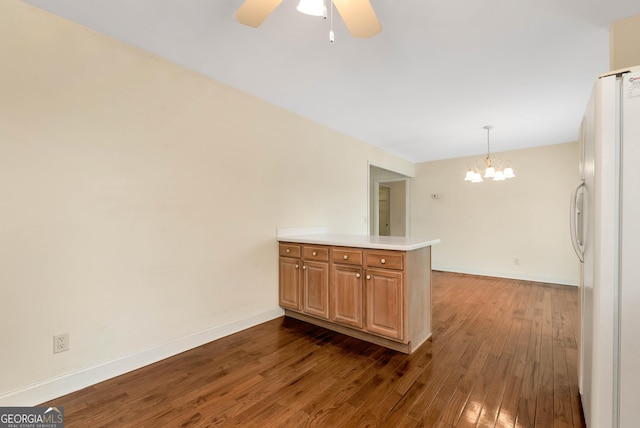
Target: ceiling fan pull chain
pixel 331 34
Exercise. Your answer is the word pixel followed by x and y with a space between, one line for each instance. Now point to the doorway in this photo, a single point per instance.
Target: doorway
pixel 388 202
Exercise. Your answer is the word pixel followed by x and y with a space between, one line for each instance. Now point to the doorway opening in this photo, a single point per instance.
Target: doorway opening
pixel 388 202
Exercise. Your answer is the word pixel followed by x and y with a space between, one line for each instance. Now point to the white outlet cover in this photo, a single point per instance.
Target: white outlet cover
pixel 60 343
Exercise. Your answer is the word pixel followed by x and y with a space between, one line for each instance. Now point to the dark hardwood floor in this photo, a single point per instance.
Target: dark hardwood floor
pixel 503 354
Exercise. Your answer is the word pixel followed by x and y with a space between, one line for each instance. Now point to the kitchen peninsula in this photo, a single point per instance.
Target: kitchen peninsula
pixel 375 288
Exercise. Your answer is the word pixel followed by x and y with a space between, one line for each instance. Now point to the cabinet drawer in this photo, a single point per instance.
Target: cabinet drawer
pixel 385 259
pixel 346 255
pixel 289 250
pixel 315 253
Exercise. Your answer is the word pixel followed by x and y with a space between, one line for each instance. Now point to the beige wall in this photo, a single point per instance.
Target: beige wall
pixel 485 226
pixel 625 42
pixel 115 227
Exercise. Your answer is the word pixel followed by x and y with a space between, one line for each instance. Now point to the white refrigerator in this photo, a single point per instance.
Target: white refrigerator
pixel 605 231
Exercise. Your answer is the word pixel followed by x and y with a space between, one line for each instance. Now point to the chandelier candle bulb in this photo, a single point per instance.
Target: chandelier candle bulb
pixel 490 172
pixel 470 175
pixel 508 172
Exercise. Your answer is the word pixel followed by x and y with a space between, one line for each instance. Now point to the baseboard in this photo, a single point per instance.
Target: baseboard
pixel 61 385
pixel 512 275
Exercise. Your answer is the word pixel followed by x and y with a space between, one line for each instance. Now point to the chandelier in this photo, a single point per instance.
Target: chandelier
pixel 489 167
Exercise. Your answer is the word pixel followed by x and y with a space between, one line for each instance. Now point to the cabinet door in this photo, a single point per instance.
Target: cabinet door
pixel 347 295
pixel 290 283
pixel 315 285
pixel 384 298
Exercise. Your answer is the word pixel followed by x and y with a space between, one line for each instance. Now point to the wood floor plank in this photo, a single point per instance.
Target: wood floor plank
pixel 480 345
pixel 544 401
pixel 507 416
pixel 503 354
pixel 571 327
pixel 499 328
pixel 562 414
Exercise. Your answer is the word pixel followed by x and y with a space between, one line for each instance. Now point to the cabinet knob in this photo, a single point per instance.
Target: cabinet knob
pixel 345 257
pixel 314 254
pixel 357 275
pixel 368 276
pixel 383 261
pixel 304 268
pixel 288 250
pixel 297 266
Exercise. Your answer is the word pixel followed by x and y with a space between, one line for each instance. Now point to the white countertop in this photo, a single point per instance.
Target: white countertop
pixel 400 243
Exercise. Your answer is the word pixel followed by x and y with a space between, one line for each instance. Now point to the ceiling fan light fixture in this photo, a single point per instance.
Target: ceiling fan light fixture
pixel 357 15
pixel 312 7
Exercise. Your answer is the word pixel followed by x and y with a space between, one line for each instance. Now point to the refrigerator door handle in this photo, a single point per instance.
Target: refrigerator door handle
pixel 577 221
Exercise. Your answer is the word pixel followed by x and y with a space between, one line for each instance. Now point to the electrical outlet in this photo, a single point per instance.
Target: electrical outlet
pixel 60 343
pixel 516 261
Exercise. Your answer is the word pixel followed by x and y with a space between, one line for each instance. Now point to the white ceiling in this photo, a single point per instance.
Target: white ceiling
pixel 423 88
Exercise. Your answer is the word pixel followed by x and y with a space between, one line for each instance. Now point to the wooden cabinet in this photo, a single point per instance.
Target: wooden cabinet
pixel 385 293
pixel 290 250
pixel 347 295
pixel 347 287
pixel 315 281
pixel 385 259
pixel 315 286
pixel 385 308
pixel 315 253
pixel 290 286
pixel 374 305
pixel 290 283
pixel 304 279
pixel 350 256
pixel 383 296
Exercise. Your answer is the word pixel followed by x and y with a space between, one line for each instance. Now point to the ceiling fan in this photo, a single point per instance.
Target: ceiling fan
pixel 358 15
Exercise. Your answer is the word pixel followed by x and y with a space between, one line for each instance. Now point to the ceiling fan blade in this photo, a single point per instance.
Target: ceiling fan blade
pixel 359 17
pixel 254 12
